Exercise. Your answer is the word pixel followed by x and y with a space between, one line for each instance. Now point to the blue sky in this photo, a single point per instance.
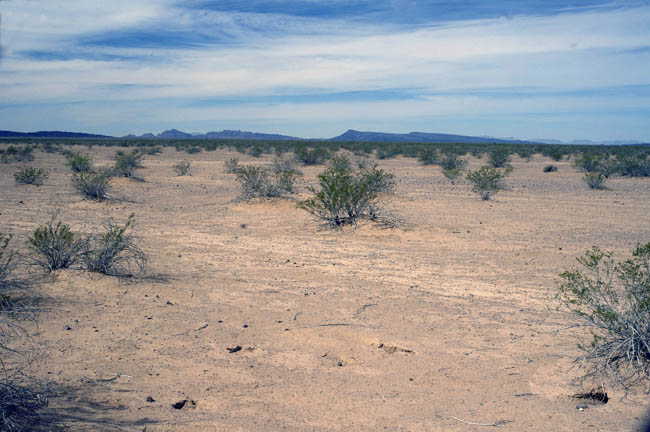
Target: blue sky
pixel 573 69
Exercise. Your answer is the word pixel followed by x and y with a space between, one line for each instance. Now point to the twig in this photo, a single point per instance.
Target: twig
pixel 496 423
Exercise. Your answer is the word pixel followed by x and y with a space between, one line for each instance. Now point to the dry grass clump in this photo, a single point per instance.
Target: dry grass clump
pixel 55 246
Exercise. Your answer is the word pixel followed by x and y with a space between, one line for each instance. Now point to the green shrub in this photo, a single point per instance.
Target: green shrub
pixel 93 185
pixel 555 154
pixel 428 157
pixel 115 253
pixel 232 165
pixel 314 156
pixel 127 163
pixel 260 182
pixel 613 300
pixel 550 168
pixel 340 162
pixel 634 165
pixel 595 180
pixel 193 150
pixel 31 175
pixel 182 168
pixel 17 154
pixel 499 157
pixel 55 246
pixel 589 162
pixel 486 181
pixel 346 196
pixel 152 150
pixel 79 162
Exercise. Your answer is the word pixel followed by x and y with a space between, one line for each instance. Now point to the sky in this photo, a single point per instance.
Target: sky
pixel 572 69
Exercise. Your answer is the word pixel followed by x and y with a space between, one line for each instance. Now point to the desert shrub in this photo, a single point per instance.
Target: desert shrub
pixel 17 154
pixel 499 157
pixel 550 168
pixel 19 406
pixel 182 168
pixel 387 153
pixel 589 162
pixel 346 196
pixel 127 163
pixel 340 162
pixel 256 150
pixel 93 185
pixel 555 154
pixel 452 166
pixel 232 165
pixel 313 156
pixel 428 157
pixel 486 181
pixel 152 150
pixel 48 147
pixel 7 265
pixel 79 162
pixel 613 300
pixel 260 182
pixel 193 150
pixel 595 180
pixel 31 175
pixel 55 246
pixel 525 153
pixel 634 165
pixel 115 253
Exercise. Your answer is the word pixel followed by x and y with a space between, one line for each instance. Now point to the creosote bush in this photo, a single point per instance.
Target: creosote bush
pixel 595 180
pixel 428 157
pixel 499 157
pixel 55 246
pixel 345 196
pixel 232 165
pixel 486 181
pixel 452 166
pixel 261 182
pixel 93 185
pixel 313 156
pixel 182 168
pixel 127 163
pixel 79 162
pixel 31 175
pixel 17 154
pixel 7 265
pixel 613 300
pixel 115 253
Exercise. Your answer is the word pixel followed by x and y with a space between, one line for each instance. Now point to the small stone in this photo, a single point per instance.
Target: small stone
pixel 68 327
pixel 582 406
pixel 150 399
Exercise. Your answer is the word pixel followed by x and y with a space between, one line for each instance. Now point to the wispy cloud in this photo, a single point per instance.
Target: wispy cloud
pixel 315 68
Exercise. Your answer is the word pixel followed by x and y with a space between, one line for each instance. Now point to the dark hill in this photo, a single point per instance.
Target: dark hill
pixel 417 137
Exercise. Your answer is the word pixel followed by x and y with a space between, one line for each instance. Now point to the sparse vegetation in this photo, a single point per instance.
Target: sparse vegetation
pixel 93 185
pixel 260 182
pixel 452 166
pixel 17 154
pixel 346 196
pixel 428 157
pixel 613 300
pixel 232 165
pixel 486 181
pixel 115 253
pixel 31 175
pixel 313 156
pixel 499 157
pixel 55 246
pixel 79 162
pixel 595 180
pixel 182 168
pixel 127 163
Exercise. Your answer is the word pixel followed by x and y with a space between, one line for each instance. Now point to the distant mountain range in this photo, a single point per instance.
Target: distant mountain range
pixel 49 134
pixel 349 135
pixel 224 134
pixel 420 137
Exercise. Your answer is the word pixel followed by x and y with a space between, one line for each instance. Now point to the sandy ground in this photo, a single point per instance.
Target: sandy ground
pixel 446 322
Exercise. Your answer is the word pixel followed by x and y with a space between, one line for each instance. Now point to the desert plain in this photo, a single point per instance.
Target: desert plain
pixel 262 319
